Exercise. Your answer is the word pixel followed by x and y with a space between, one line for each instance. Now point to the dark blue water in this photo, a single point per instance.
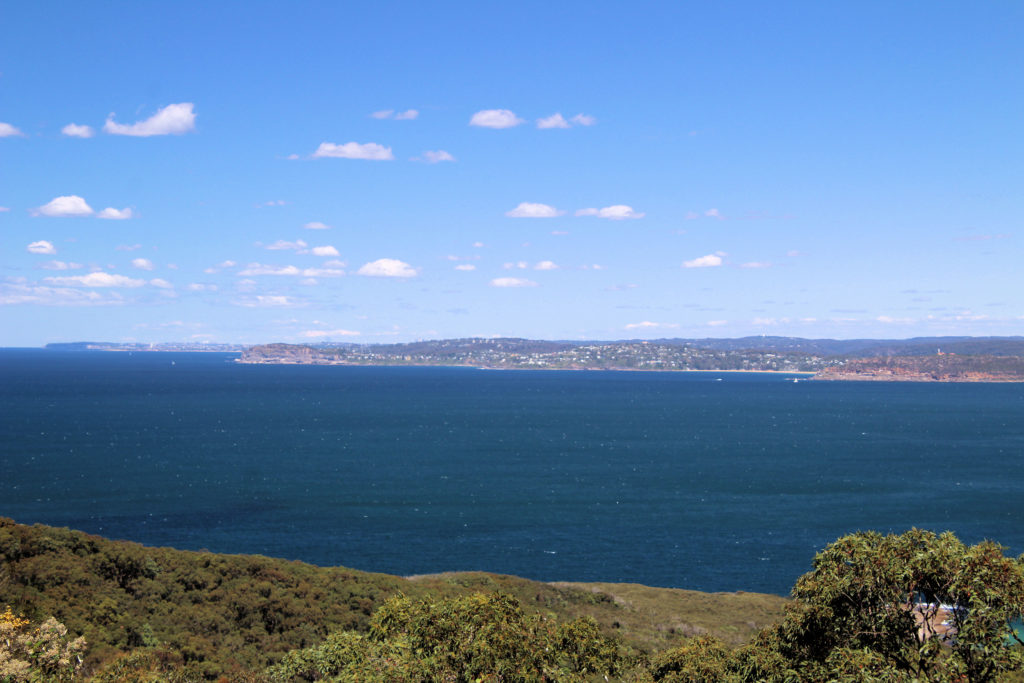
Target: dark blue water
pixel 700 480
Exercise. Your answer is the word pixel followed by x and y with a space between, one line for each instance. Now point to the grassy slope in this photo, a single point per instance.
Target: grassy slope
pixel 233 612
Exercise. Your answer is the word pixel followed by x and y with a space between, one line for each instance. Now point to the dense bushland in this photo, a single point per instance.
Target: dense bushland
pixel 871 609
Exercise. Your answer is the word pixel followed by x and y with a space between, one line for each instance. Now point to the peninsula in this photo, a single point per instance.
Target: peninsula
pixel 947 359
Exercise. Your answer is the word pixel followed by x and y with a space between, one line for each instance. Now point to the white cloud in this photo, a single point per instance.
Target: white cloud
pixel 478 245
pixel 530 210
pixel 262 269
pixel 387 267
pixel 18 293
pixel 334 263
pixel 316 225
pixel 648 325
pixel 320 334
pixel 322 272
pixel 4 209
pixel 436 156
pixel 161 283
pixel 616 212
pixel 73 130
pixel 717 323
pixel 465 266
pixel 201 287
pixel 756 264
pixel 174 119
pixel 583 120
pixel 282 245
pixel 495 118
pixel 692 215
pixel 273 202
pixel 512 282
pixel 407 115
pixel 9 131
pixel 353 150
pixel 714 213
pixel 708 261
pixel 142 264
pixel 521 265
pixel 97 279
pixel 556 120
pixel 326 250
pixel 546 265
pixel 60 265
pixel 41 247
pixel 113 214
pixel 69 205
pixel 269 301
pixel 127 247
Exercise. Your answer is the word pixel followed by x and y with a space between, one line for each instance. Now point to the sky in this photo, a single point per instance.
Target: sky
pixel 252 172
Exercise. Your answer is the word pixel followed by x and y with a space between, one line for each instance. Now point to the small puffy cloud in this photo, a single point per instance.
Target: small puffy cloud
pixel 273 202
pixel 387 267
pixel 714 213
pixel 41 247
pixel 262 269
pixel 616 212
pixel 756 264
pixel 60 265
pixel 531 210
pixel 648 325
pixel 113 214
pixel 583 120
pixel 465 266
pixel 708 261
pixel 4 209
pixel 73 130
pixel 142 264
pixel 161 283
pixel 495 118
pixel 546 265
pixel 436 156
pixel 316 225
pixel 407 115
pixel 322 272
pixel 19 293
pixel 556 120
pixel 334 263
pixel 521 265
pixel 269 301
pixel 282 245
pixel 512 282
pixel 320 334
pixel 326 250
pixel 717 323
pixel 127 247
pixel 97 279
pixel 692 215
pixel 68 205
pixel 201 287
pixel 9 131
pixel 174 119
pixel 353 150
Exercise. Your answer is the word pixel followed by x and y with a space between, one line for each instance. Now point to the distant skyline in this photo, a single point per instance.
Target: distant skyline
pixel 258 172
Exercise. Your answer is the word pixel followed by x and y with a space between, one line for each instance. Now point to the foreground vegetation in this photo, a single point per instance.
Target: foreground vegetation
pixel 869 611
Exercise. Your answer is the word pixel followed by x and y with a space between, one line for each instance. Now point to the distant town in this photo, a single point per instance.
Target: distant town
pixel 933 359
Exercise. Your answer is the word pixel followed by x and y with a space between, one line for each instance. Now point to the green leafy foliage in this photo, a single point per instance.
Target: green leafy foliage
pixel 472 638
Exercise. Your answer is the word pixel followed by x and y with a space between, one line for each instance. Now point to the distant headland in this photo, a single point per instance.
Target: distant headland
pixel 940 359
pixel 921 359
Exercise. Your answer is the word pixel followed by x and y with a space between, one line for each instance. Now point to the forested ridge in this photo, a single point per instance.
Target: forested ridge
pixel 916 606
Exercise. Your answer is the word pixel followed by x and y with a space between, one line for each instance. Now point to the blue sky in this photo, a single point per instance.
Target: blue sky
pixel 376 172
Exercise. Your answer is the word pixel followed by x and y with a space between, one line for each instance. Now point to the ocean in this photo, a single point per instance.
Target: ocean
pixel 707 481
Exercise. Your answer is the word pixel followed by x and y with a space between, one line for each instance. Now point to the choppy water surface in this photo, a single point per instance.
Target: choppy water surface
pixel 695 480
